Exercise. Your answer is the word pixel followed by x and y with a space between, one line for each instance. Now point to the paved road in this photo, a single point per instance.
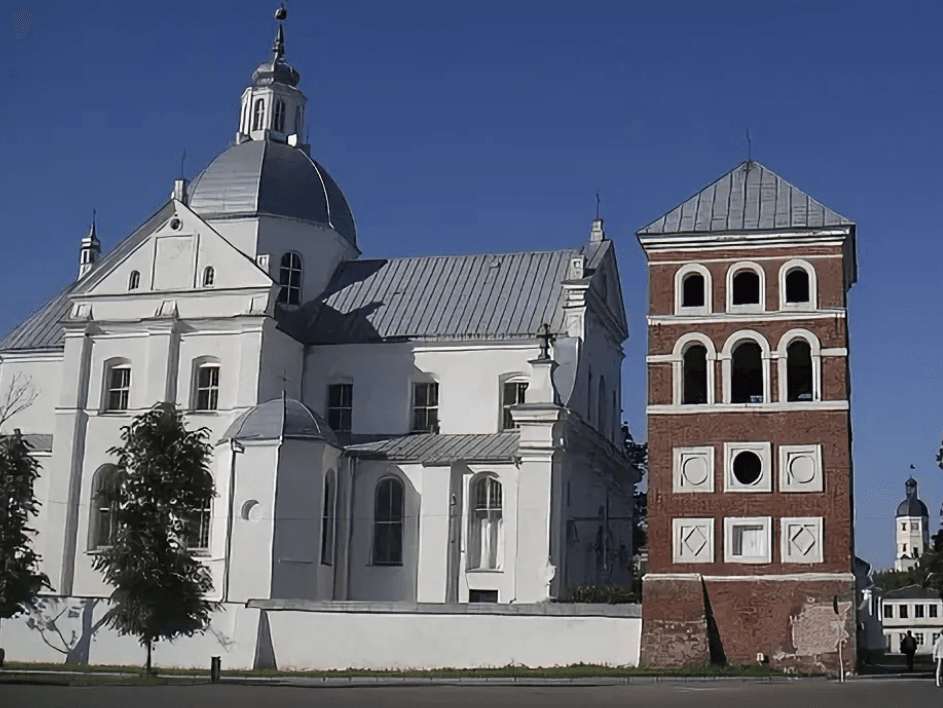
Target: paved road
pixel 694 694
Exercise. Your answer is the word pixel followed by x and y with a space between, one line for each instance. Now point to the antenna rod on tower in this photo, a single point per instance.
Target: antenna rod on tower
pixel 182 160
pixel 597 205
pixel 749 147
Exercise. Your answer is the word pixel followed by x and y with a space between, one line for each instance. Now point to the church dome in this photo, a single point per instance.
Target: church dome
pixel 912 506
pixel 284 418
pixel 268 177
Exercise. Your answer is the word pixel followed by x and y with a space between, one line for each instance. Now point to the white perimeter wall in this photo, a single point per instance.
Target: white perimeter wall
pixel 316 640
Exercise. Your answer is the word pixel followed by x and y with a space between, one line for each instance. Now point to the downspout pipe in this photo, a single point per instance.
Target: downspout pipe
pixel 235 447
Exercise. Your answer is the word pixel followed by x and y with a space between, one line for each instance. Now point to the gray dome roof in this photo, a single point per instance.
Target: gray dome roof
pixel 912 506
pixel 281 417
pixel 267 177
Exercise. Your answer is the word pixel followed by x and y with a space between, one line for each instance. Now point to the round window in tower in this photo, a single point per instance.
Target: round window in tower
pixel 747 467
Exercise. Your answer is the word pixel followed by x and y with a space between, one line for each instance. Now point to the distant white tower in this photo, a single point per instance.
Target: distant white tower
pixel 912 528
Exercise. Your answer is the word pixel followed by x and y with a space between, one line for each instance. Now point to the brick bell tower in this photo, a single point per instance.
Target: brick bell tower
pixel 749 427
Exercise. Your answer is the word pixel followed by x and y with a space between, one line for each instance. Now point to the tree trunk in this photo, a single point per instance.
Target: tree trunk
pixel 149 643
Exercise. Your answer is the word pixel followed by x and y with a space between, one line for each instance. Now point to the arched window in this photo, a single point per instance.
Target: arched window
pixel 257 114
pixel 242 118
pixel 298 120
pixel 746 385
pixel 327 520
pixel 118 392
pixel 485 537
pixel 797 286
pixel 746 288
pixel 196 528
pixel 134 280
pixel 693 291
pixel 799 371
pixel 209 277
pixel 694 375
pixel 601 406
pixel 102 518
pixel 206 393
pixel 513 392
pixel 388 523
pixel 278 116
pixel 290 279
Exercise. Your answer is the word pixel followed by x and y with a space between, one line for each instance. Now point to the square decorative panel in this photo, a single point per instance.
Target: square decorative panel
pixel 692 540
pixel 800 468
pixel 748 467
pixel 801 540
pixel 693 469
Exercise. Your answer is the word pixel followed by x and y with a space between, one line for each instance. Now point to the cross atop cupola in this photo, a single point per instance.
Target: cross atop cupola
pixel 90 250
pixel 273 107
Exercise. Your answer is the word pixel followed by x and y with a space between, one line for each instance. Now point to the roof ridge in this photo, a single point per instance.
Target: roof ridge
pixel 442 256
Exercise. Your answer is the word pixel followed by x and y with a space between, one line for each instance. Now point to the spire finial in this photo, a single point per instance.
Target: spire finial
pixel 278 48
pixel 91 232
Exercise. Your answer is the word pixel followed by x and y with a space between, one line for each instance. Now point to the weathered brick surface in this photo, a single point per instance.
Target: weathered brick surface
pixel 792 623
pixel 674 623
pixel 834 503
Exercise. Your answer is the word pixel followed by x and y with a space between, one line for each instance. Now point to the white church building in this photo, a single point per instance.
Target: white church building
pixel 438 429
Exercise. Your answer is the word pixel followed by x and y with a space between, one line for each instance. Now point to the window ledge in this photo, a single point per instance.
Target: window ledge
pixel 484 571
pixel 200 411
pixel 375 564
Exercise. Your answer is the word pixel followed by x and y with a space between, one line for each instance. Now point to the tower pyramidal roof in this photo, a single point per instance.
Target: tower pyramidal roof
pixel 751 197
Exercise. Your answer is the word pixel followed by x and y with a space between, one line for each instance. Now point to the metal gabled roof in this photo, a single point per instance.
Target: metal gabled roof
pixel 493 296
pixel 750 197
pixel 440 450
pixel 43 329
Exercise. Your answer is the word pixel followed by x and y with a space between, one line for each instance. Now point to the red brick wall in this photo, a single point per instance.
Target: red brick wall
pixel 788 620
pixel 829 274
pixel 834 503
pixel 792 623
pixel 674 624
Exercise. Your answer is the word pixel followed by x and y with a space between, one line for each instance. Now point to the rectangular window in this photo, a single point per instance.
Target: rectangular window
pixel 119 387
pixel 936 635
pixel 207 388
pixel 932 609
pixel 903 612
pixel 197 530
pixel 749 541
pixel 425 408
pixel 340 407
pixel 918 610
pixel 919 637
pixel 513 394
pixel 888 611
pixel 482 595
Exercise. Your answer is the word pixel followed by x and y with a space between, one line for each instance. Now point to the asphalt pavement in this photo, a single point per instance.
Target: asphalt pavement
pixel 776 693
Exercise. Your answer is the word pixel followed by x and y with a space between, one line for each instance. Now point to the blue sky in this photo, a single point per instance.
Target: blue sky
pixel 489 126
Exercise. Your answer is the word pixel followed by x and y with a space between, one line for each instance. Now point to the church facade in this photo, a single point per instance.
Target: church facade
pixel 442 429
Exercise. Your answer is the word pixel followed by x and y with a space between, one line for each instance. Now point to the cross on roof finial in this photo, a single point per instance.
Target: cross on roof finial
pixel 546 339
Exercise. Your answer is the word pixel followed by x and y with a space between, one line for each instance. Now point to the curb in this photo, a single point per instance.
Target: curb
pixel 376 681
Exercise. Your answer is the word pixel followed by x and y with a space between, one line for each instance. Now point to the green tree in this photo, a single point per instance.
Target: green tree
pixel 20 582
pixel 161 482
